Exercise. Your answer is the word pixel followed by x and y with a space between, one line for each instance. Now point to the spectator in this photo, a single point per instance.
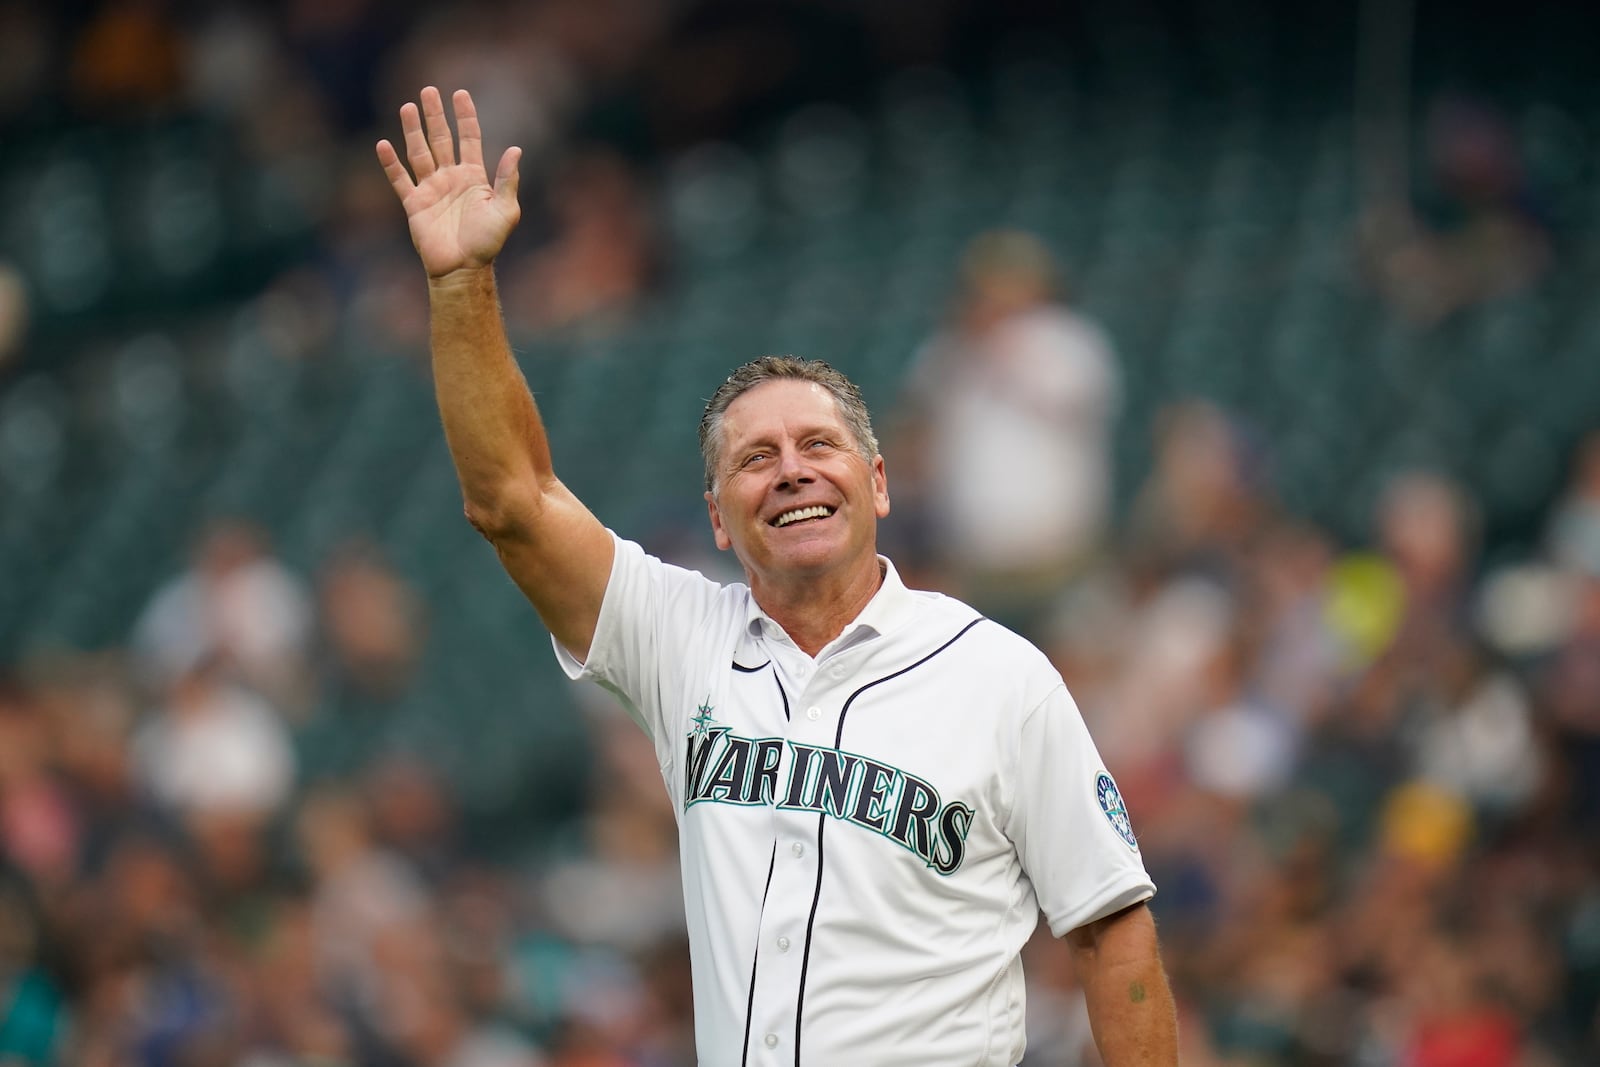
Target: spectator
pixel 602 257
pixel 129 58
pixel 622 888
pixel 372 627
pixel 370 916
pixel 34 1013
pixel 213 748
pixel 236 604
pixel 1573 536
pixel 1477 234
pixel 1012 406
pixel 1477 737
pixel 413 815
pixel 1203 500
pixel 39 830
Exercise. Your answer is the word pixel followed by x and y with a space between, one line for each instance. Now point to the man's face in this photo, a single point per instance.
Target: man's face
pixel 794 497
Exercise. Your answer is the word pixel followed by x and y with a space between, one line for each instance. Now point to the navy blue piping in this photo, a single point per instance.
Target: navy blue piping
pixel 750 1002
pixel 822 820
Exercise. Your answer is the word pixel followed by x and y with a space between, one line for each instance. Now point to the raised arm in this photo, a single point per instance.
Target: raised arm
pixel 550 544
pixel 1130 1004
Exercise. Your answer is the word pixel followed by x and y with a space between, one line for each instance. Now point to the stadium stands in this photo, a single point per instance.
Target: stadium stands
pixel 1350 801
pixel 1215 241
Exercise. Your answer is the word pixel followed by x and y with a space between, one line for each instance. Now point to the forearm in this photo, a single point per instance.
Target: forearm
pixel 1131 1010
pixel 1132 1015
pixel 491 424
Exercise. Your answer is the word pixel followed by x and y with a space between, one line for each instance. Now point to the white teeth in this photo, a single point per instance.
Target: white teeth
pixel 815 512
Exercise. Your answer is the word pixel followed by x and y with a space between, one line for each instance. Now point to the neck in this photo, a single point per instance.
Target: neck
pixel 815 610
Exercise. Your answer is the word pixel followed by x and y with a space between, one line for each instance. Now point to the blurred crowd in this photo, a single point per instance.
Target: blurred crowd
pixel 596 92
pixel 1366 778
pixel 186 880
pixel 1365 774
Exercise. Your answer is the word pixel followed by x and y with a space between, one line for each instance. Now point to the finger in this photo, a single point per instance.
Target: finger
pixel 439 136
pixel 506 176
pixel 416 144
pixel 467 127
pixel 394 170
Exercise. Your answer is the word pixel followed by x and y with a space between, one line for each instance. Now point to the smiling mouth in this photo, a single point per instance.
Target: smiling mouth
pixel 789 518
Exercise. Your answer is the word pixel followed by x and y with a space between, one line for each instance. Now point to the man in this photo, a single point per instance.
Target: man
pixel 1016 372
pixel 876 789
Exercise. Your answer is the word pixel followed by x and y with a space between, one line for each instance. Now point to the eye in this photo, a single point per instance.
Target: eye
pixel 753 458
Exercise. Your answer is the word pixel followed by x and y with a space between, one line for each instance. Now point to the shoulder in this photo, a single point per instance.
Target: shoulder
pixel 980 637
pixel 674 593
pixel 631 556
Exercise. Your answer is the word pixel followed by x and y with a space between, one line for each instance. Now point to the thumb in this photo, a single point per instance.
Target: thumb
pixel 507 177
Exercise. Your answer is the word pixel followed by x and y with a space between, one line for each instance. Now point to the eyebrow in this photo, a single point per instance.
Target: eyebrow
pixel 771 440
pixel 735 451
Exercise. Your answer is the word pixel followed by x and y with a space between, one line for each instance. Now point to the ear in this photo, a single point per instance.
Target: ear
pixel 724 542
pixel 880 488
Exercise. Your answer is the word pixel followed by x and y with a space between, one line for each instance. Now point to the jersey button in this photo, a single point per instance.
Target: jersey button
pixel 771 1040
pixel 813 713
pixel 798 849
pixel 838 671
pixel 783 944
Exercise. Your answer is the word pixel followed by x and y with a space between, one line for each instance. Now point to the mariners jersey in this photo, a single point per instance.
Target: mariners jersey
pixel 866 837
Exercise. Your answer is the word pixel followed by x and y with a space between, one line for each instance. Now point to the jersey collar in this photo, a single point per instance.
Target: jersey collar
pixel 890 608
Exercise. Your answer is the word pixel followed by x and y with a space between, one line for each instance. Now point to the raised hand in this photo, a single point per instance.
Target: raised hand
pixel 457 219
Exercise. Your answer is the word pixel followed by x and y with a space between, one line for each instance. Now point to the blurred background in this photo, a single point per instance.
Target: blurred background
pixel 1245 358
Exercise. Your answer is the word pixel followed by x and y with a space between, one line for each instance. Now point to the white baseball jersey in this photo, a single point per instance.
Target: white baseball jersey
pixel 866 837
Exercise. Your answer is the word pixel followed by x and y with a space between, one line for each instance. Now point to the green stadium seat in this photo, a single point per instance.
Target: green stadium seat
pixel 715 204
pixel 820 164
pixel 33 441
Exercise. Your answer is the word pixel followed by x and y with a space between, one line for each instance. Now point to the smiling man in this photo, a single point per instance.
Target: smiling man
pixel 795 487
pixel 877 789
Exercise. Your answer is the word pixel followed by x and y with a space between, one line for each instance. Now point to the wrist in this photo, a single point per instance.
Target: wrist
pixel 463 279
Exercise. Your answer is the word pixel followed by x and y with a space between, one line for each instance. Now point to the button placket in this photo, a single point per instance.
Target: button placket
pixel 783 923
pixel 813 697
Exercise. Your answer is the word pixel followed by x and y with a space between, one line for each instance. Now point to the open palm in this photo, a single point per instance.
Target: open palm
pixel 457 219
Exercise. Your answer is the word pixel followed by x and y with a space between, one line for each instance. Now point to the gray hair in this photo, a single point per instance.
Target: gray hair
pixel 762 369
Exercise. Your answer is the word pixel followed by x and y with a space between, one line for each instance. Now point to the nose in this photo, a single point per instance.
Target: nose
pixel 793 468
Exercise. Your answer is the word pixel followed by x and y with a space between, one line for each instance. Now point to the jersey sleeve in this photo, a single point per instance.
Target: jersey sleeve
pixel 649 615
pixel 1069 823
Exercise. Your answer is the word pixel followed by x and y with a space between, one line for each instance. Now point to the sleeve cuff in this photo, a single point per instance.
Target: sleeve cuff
pixel 569 663
pixel 1116 897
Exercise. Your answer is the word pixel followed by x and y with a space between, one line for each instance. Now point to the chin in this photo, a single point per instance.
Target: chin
pixel 814 559
pixel 790 557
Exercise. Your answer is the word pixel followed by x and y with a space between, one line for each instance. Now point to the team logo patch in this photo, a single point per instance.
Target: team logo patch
pixel 1105 791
